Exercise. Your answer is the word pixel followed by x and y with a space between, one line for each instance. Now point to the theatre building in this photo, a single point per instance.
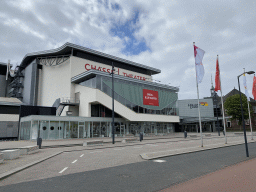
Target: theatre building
pixel 77 81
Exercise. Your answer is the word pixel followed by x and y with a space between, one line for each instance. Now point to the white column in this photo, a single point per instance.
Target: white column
pixel 89 130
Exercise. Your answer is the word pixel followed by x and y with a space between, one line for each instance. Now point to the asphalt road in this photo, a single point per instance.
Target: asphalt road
pixel 120 169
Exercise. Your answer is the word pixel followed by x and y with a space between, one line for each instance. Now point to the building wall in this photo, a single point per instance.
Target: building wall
pixel 189 108
pixel 234 123
pixel 54 83
pixel 9 125
pixel 78 66
pixel 2 85
pixel 27 84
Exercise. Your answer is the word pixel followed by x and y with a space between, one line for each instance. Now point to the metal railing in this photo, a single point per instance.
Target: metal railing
pixel 69 100
pixel 168 110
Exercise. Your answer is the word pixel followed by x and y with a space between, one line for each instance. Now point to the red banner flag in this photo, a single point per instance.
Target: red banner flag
pixel 254 87
pixel 217 77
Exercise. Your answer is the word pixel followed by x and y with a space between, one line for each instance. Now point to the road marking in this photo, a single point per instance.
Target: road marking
pixel 119 149
pixel 168 144
pixel 152 145
pixel 82 155
pixel 63 170
pixel 137 147
pixel 74 161
pixel 96 152
pixel 159 161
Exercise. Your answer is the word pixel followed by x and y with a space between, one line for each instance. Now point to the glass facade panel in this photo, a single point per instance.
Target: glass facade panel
pixel 53 131
pixel 61 129
pixel 74 129
pixel 26 130
pixel 44 129
pixel 34 131
pixel 67 131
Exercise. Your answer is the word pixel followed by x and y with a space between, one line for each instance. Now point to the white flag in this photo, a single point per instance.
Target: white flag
pixel 245 87
pixel 199 54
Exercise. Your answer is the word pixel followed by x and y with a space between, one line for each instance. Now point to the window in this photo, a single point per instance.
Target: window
pixel 52 128
pixel 44 128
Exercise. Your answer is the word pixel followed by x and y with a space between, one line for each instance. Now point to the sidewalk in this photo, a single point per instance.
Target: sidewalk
pixel 55 147
pixel 239 177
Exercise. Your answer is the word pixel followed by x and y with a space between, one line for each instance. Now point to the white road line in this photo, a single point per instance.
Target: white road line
pixel 137 147
pixel 119 149
pixel 159 161
pixel 82 155
pixel 74 161
pixel 96 152
pixel 152 145
pixel 63 170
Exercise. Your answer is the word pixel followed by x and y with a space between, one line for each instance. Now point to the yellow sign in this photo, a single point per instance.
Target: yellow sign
pixel 204 103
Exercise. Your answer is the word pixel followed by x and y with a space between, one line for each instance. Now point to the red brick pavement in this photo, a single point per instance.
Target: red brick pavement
pixel 239 177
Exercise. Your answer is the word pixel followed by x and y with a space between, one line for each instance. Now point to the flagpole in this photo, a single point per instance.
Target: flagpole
pixel 7 69
pixel 223 115
pixel 199 109
pixel 249 115
pixel 250 118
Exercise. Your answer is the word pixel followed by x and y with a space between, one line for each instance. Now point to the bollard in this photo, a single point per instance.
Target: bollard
pixel 39 142
pixel 185 134
pixel 141 136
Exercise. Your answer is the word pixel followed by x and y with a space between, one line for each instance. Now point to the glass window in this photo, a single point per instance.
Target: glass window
pixel 34 131
pixel 26 130
pixel 53 131
pixel 73 129
pixel 44 128
pixel 67 131
pixel 61 129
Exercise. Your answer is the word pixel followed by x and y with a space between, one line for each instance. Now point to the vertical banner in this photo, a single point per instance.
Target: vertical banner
pixel 150 97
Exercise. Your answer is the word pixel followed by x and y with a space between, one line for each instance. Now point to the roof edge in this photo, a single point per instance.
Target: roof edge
pixel 98 53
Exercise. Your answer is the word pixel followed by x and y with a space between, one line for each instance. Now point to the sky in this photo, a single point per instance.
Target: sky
pixel 159 34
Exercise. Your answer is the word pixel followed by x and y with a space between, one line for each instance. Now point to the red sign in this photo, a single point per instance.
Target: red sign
pixel 87 67
pixel 150 97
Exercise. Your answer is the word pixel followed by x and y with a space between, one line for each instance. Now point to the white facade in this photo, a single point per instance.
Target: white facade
pixel 81 84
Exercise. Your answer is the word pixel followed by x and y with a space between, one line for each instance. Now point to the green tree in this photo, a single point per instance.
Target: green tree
pixel 233 107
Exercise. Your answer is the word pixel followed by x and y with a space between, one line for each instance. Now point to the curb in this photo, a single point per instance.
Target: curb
pixel 144 156
pixel 16 170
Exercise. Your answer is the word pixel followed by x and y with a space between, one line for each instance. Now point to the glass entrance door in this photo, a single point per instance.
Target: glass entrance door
pixel 81 131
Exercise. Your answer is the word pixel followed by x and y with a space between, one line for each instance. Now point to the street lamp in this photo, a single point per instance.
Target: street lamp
pixel 113 114
pixel 245 139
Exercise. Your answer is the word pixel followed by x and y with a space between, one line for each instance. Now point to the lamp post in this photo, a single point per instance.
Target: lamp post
pixel 113 114
pixel 245 139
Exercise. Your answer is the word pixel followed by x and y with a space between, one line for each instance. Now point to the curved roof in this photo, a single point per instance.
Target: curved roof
pixel 67 49
pixel 92 73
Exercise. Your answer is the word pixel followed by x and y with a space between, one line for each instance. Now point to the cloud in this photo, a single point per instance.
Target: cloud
pixel 159 34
